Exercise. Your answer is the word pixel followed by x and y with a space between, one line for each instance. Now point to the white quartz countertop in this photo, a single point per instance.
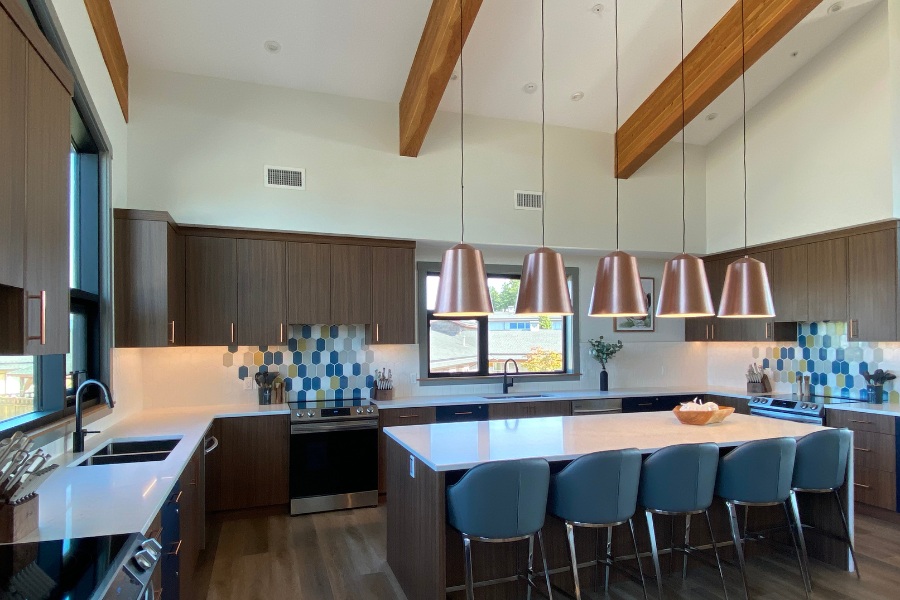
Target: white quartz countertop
pixel 80 501
pixel 457 446
pixel 423 401
pixel 892 410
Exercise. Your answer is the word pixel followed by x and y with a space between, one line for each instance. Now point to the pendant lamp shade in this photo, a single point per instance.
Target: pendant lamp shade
pixel 747 293
pixel 685 289
pixel 544 289
pixel 463 290
pixel 617 289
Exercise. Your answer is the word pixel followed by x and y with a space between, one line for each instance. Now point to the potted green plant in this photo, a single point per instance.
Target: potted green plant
pixel 602 353
pixel 876 383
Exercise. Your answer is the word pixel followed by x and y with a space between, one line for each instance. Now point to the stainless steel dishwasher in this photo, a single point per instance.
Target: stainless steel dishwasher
pixel 596 406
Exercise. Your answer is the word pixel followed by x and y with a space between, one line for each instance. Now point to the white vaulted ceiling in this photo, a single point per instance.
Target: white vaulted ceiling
pixel 364 48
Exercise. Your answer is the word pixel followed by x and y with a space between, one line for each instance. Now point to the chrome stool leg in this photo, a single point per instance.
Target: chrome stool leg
pixel 540 538
pixel 637 557
pixel 530 565
pixel 687 543
pixel 609 557
pixel 715 546
pixel 840 504
pixel 804 565
pixel 738 544
pixel 570 534
pixel 787 515
pixel 470 580
pixel 655 552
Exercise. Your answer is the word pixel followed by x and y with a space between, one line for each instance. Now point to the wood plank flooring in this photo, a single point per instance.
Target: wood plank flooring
pixel 341 555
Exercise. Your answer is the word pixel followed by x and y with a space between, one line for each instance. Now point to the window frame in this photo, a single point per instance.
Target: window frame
pixel 571 358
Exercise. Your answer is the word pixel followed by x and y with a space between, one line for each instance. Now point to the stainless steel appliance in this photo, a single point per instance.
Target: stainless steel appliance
pixel 596 406
pixel 791 407
pixel 334 455
pixel 96 568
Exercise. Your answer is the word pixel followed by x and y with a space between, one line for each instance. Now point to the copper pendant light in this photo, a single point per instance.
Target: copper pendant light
pixel 685 289
pixel 544 288
pixel 462 289
pixel 747 293
pixel 617 287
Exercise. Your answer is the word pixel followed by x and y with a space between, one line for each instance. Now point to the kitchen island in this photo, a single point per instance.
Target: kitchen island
pixel 426 555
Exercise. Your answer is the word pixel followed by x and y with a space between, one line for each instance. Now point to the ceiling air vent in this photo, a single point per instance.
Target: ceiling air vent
pixel 282 177
pixel 529 200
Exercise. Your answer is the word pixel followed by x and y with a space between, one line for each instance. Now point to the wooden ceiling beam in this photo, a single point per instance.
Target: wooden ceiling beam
pixel 439 49
pixel 106 30
pixel 709 69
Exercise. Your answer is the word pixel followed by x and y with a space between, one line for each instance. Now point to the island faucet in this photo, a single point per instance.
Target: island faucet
pixel 508 381
pixel 80 433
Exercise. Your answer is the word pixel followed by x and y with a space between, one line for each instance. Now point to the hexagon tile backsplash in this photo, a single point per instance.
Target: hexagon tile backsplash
pixel 833 364
pixel 319 362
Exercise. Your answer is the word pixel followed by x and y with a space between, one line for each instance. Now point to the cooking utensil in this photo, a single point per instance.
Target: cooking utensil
pixel 16 461
pixel 31 484
pixel 31 464
pixel 14 443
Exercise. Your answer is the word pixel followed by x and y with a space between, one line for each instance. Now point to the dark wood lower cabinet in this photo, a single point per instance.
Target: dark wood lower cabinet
pixel 250 467
pixel 527 410
pixel 393 418
pixel 740 405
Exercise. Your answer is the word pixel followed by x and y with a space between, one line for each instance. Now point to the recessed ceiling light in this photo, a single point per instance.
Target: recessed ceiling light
pixel 454 77
pixel 577 96
pixel 795 53
pixel 272 47
pixel 712 116
pixel 530 88
pixel 597 9
pixel 835 7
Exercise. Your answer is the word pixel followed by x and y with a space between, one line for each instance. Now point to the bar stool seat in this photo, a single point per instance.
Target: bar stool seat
pixel 501 502
pixel 679 481
pixel 820 467
pixel 759 474
pixel 597 491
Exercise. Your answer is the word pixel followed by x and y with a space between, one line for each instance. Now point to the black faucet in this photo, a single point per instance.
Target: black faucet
pixel 508 381
pixel 80 433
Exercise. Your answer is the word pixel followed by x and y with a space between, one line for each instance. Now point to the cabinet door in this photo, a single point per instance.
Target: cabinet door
pixel 721 330
pixel 699 329
pixel 48 136
pixel 261 293
pixel 309 274
pixel 210 291
pixel 393 296
pixel 761 330
pixel 873 286
pixel 528 410
pixel 351 285
pixel 175 287
pixel 829 285
pixel 393 418
pixel 636 405
pixel 12 153
pixel 789 273
pixel 250 466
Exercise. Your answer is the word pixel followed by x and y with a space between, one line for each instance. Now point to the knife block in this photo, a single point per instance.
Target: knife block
pixel 761 387
pixel 18 520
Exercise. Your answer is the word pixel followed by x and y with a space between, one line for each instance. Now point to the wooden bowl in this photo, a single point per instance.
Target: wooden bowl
pixel 702 417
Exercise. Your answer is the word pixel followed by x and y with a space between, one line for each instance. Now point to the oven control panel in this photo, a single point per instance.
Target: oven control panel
pixel 786 405
pixel 334 413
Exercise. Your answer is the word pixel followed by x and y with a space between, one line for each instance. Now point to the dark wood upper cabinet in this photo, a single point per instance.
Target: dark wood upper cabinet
pixel 761 330
pixel 309 281
pixel 261 293
pixel 872 262
pixel 351 284
pixel 149 283
pixel 721 330
pixel 829 285
pixel 789 273
pixel 12 153
pixel 393 296
pixel 211 282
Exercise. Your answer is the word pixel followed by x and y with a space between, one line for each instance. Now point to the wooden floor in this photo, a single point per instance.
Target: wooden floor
pixel 332 556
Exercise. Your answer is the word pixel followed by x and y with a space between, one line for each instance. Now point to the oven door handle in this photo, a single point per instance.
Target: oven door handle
pixel 301 428
pixel 774 414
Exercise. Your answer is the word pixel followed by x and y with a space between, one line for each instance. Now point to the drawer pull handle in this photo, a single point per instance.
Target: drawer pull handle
pixel 862 449
pixel 177 498
pixel 646 404
pixel 460 414
pixel 177 549
pixel 862 422
pixel 866 487
pixel 42 335
pixel 408 416
pixel 172 333
pixel 155 534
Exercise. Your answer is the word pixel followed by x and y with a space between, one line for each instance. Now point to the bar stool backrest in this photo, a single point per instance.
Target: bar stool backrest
pixel 758 472
pixel 821 462
pixel 679 479
pixel 598 489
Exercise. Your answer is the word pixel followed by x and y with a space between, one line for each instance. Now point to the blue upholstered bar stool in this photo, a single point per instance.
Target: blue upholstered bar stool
pixel 679 481
pixel 501 502
pixel 597 491
pixel 758 474
pixel 821 468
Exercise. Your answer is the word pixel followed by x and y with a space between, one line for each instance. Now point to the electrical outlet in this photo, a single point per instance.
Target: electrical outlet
pixel 248 383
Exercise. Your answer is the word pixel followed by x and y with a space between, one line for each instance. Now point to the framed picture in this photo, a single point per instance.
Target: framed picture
pixel 635 324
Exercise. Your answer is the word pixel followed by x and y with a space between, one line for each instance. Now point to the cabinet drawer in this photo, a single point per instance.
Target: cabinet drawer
pixel 861 421
pixel 407 416
pixel 874 451
pixel 876 488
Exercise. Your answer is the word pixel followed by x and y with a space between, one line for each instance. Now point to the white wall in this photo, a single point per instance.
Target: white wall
pixel 198 147
pixel 819 147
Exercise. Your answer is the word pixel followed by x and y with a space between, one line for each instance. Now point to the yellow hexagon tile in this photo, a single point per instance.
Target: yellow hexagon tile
pixel 292 371
pixel 894 397
pixel 335 383
pixel 828 390
pixel 791 376
pixel 320 394
pixel 302 345
pixel 258 359
pixel 839 380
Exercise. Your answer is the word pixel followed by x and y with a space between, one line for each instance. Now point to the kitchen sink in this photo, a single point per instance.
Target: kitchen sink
pixel 125 451
pixel 517 396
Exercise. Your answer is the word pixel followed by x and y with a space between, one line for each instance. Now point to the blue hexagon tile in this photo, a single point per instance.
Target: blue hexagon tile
pixel 318 362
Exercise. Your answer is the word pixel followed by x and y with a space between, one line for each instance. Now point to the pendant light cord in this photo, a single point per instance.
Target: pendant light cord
pixel 616 137
pixel 543 138
pixel 744 120
pixel 462 132
pixel 683 145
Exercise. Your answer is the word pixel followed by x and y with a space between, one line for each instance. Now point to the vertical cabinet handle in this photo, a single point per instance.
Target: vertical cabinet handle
pixel 172 332
pixel 211 446
pixel 707 331
pixel 42 335
pixel 377 333
pixel 281 333
pixel 854 326
pixel 767 331
pixel 232 333
pixel 713 328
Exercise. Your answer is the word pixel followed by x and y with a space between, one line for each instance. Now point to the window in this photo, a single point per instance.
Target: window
pixel 481 346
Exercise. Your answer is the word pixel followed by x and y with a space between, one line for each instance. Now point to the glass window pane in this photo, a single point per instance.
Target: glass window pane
pixel 453 346
pixel 77 358
pixel 17 390
pixel 431 286
pixel 74 220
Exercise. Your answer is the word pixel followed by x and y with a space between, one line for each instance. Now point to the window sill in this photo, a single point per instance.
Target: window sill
pixel 476 379
pixel 47 427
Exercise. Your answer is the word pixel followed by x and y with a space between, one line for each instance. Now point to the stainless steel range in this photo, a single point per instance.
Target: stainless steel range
pixel 791 407
pixel 334 455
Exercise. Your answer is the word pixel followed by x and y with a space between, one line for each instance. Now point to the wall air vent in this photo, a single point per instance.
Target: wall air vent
pixel 283 177
pixel 529 200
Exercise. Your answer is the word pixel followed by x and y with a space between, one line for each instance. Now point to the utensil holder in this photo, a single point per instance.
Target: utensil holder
pixel 265 395
pixel 875 394
pixel 384 394
pixel 18 520
pixel 760 387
